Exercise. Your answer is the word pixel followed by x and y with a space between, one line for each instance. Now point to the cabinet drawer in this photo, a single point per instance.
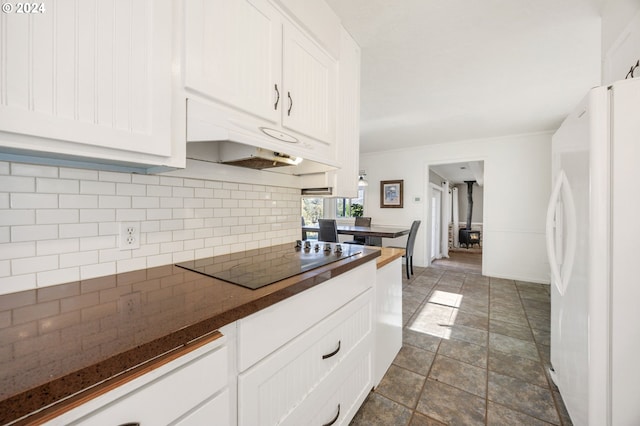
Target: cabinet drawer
pixel 215 411
pixel 160 396
pixel 337 399
pixel 267 330
pixel 277 384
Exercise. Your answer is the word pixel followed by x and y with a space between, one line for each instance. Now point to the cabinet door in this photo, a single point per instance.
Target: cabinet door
pixel 345 179
pixel 309 76
pixel 90 72
pixel 233 51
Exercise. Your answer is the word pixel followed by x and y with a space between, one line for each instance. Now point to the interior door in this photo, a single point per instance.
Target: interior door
pixel 436 223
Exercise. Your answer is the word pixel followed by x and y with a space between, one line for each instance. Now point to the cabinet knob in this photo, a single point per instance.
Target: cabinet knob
pixel 275 106
pixel 290 103
pixel 329 355
pixel 335 419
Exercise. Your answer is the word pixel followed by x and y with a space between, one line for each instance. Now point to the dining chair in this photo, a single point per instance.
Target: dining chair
pixel 411 242
pixel 360 221
pixel 328 230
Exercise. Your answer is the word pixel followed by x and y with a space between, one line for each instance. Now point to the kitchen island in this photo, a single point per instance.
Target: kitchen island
pixel 60 342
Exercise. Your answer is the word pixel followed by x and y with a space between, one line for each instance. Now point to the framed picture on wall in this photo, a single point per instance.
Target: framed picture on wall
pixel 391 193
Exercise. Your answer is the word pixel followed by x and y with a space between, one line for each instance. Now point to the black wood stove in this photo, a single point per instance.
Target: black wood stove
pixel 467 236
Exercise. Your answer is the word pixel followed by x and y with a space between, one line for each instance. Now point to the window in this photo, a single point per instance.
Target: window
pixel 312 209
pixel 350 207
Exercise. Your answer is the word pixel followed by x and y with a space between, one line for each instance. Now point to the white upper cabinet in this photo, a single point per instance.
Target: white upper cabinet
pixel 93 78
pixel 345 180
pixel 248 56
pixel 233 53
pixel 309 77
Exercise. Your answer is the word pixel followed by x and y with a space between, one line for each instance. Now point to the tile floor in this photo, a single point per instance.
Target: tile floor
pixel 475 352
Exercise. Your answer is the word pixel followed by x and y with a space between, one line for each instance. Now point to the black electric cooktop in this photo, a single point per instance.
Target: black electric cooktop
pixel 257 268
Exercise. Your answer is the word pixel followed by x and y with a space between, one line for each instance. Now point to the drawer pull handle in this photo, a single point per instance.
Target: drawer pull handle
pixel 329 355
pixel 290 104
pixel 130 424
pixel 275 106
pixel 335 419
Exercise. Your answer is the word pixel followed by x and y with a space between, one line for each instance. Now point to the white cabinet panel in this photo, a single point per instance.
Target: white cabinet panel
pixel 94 73
pixel 388 339
pixel 233 54
pixel 271 389
pixel 309 76
pixel 345 179
pixel 265 331
pixel 189 387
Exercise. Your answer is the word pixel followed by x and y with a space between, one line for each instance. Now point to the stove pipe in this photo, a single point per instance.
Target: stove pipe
pixel 469 201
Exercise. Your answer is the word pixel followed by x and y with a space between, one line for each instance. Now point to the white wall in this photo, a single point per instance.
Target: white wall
pixel 60 224
pixel 517 181
pixel 620 38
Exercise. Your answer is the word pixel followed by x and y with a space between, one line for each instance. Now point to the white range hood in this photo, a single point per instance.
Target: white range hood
pixel 215 135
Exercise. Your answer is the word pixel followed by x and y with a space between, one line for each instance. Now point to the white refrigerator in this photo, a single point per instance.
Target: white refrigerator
pixel 593 245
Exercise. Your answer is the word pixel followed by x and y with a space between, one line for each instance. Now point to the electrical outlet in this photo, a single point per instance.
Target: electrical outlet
pixel 129 235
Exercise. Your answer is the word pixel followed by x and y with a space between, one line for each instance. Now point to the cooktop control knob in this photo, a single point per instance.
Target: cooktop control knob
pixel 316 247
pixel 327 247
pixel 298 244
pixel 338 248
pixel 307 245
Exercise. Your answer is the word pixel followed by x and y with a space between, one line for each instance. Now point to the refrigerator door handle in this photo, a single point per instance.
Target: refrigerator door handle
pixel 560 277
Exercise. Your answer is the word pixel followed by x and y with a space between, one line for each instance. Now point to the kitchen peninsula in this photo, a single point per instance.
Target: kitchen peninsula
pixel 66 342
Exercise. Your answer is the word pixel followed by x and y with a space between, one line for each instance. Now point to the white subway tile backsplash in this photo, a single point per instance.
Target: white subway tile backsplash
pixel 114 177
pixel 98 270
pixel 170 202
pixel 57 246
pixel 33 232
pixel 145 179
pixel 114 201
pixel 47 216
pixel 97 215
pixel 97 187
pixel 5 234
pixel 97 243
pixel 59 276
pixel 158 191
pixel 131 189
pixel 78 201
pixel 17 250
pixel 57 186
pixel 159 260
pixel 130 215
pixel 17 217
pixel 79 230
pixel 5 268
pixel 89 257
pixel 80 174
pixel 61 224
pixel 17 283
pixel 22 169
pixel 171 181
pixel 33 201
pixel 27 265
pixel 128 265
pixel 145 202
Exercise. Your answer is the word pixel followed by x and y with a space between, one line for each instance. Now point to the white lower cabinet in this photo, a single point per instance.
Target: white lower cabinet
pixel 190 390
pixel 329 364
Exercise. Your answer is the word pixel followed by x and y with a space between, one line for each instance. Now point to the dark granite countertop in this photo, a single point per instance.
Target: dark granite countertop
pixel 60 340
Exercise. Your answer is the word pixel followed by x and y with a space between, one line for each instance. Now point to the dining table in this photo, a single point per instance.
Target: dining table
pixel 373 234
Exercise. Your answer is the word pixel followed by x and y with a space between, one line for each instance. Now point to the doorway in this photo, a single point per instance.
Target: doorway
pixel 455 208
pixel 436 222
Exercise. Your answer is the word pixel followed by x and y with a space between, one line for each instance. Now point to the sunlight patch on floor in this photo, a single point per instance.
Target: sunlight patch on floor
pixel 438 315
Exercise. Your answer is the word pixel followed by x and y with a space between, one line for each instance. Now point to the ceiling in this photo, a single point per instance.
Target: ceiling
pixel 441 71
pixel 461 172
